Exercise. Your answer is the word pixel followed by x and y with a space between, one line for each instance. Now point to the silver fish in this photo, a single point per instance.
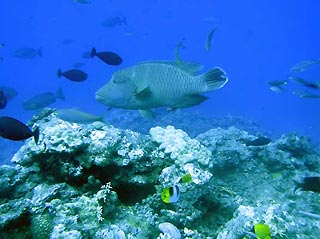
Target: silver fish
pixel 157 84
pixel 309 84
pixel 276 89
pixel 278 83
pixel 304 94
pixel 304 65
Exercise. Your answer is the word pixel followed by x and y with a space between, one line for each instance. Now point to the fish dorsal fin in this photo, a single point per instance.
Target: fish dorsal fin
pixel 189 67
pixel 143 93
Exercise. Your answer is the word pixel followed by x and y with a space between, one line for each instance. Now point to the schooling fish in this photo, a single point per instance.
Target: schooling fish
pixel 3 100
pixel 13 129
pixel 157 84
pixel 278 82
pixel 276 86
pixel 73 75
pixel 304 94
pixel 170 194
pixel 304 65
pixel 107 57
pixel 42 100
pixel 309 84
pixel 28 53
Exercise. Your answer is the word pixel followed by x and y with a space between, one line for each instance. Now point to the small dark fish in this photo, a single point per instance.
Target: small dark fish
pixel 73 75
pixel 2 45
pixel 310 184
pixel 28 53
pixel 3 100
pixel 13 129
pixel 42 100
pixel 260 141
pixel 9 93
pixel 114 21
pixel 108 57
pixel 1 58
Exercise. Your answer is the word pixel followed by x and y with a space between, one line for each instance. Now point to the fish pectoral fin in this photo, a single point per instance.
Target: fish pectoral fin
pixel 143 94
pixel 190 100
pixel 147 114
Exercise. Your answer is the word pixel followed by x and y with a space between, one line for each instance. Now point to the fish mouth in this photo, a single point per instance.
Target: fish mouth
pixel 100 97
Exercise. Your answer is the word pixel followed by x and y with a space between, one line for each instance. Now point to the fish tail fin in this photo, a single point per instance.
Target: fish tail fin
pixel 36 134
pixel 60 94
pixel 39 52
pixel 214 79
pixel 93 52
pixel 59 73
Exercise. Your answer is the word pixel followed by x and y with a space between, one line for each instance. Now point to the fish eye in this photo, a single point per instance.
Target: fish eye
pixel 119 80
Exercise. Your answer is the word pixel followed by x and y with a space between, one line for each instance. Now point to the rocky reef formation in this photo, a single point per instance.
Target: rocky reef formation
pixel 98 181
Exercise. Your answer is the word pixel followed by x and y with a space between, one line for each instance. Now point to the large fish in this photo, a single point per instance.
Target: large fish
pixel 157 84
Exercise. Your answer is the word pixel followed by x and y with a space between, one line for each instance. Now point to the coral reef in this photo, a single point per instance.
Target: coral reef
pixel 99 181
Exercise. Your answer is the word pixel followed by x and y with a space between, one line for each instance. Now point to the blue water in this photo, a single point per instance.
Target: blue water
pixel 255 42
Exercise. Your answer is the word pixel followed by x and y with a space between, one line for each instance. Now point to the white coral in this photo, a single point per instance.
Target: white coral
pixel 180 146
pixel 169 231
